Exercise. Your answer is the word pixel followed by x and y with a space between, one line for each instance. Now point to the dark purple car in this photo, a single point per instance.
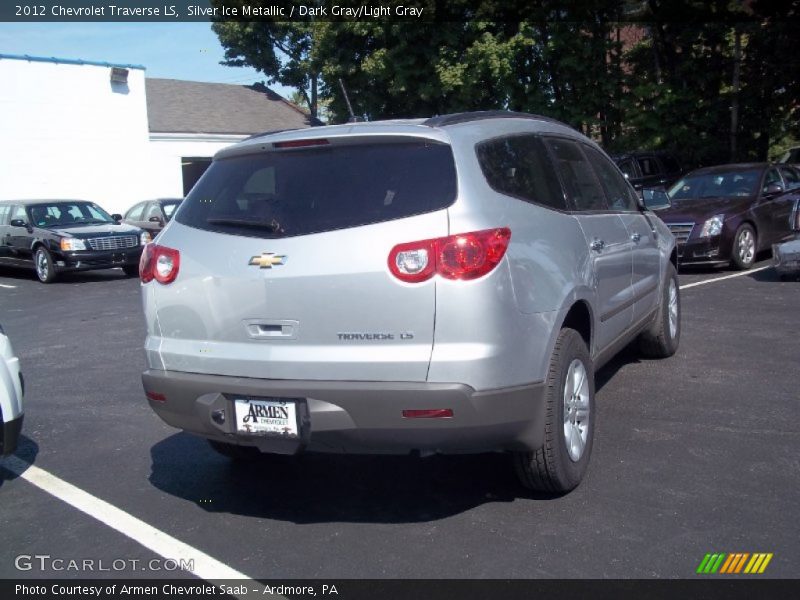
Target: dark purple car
pixel 730 213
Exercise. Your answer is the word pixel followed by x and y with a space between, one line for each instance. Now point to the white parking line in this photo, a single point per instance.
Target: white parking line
pixel 696 283
pixel 10 287
pixel 163 544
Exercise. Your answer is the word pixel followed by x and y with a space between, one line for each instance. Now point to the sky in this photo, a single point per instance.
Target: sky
pixel 189 51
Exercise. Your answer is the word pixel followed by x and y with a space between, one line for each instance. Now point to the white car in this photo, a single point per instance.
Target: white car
pixel 11 389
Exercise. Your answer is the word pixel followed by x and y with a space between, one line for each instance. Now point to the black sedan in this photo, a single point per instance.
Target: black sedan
pixel 53 236
pixel 729 213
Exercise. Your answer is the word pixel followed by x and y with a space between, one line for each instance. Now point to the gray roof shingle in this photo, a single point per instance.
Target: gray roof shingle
pixel 175 106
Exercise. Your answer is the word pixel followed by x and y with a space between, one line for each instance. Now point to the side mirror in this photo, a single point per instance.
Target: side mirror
pixel 117 217
pixel 772 188
pixel 18 223
pixel 655 199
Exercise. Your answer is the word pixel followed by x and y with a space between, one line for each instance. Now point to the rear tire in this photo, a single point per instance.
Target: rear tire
pixel 560 464
pixel 743 253
pixel 131 270
pixel 662 339
pixel 236 452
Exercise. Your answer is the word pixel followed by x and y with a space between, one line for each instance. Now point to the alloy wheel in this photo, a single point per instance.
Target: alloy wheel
pixel 576 409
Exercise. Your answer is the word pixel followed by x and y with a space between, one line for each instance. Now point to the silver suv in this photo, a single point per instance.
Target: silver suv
pixel 446 285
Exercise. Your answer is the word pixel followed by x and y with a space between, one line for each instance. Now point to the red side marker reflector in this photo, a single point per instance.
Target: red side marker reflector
pixel 156 397
pixel 428 413
pixel 301 143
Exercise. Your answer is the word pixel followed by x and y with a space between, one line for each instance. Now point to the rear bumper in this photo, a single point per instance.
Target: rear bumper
pixel 358 417
pixel 9 435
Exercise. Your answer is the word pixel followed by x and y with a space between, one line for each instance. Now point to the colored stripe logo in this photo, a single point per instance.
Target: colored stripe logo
pixel 735 563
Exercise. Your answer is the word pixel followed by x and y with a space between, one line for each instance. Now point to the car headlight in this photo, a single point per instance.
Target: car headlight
pixel 713 226
pixel 69 244
pixel 145 238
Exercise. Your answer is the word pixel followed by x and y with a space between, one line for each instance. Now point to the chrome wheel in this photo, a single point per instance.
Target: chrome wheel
pixel 576 409
pixel 42 266
pixel 673 309
pixel 746 246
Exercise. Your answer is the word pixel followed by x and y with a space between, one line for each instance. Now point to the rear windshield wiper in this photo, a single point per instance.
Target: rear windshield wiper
pixel 272 225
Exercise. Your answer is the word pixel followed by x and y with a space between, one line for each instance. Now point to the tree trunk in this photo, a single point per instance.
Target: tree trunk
pixel 314 105
pixel 737 61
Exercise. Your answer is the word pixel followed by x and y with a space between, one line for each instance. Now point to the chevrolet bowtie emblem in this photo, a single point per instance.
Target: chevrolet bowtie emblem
pixel 267 260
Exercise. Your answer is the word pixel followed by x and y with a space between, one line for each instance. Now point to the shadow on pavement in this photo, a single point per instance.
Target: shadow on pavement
pixel 69 277
pixel 313 488
pixel 12 466
pixel 629 355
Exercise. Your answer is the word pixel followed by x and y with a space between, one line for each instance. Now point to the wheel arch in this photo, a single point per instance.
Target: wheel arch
pixel 579 317
pixel 750 221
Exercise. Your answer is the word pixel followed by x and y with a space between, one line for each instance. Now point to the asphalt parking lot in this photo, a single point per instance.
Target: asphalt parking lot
pixel 695 454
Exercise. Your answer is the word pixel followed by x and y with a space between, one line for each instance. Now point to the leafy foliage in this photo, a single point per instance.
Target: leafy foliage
pixel 646 74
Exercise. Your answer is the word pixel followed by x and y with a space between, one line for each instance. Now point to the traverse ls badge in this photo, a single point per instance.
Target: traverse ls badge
pixel 267 260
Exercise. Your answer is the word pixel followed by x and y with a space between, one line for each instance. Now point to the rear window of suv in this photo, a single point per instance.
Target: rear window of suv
pixel 286 193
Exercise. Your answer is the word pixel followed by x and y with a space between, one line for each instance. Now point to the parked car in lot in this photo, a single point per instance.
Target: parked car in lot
pixel 786 257
pixel 11 391
pixel 649 169
pixel 730 213
pixel 152 215
pixel 446 285
pixel 54 236
pixel 792 155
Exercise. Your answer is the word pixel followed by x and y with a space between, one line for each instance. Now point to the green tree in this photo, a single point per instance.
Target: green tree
pixel 283 51
pixel 711 80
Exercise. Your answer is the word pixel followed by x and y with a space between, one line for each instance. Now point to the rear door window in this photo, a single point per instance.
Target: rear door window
pixel 618 192
pixel 577 176
pixel 135 214
pixel 648 166
pixel 169 208
pixel 519 166
pixel 18 212
pixel 321 188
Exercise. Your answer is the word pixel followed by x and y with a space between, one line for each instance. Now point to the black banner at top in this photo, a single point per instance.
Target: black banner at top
pixel 684 11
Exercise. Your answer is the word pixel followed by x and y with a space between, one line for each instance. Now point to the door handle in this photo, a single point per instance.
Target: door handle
pixel 597 245
pixel 636 237
pixel 261 329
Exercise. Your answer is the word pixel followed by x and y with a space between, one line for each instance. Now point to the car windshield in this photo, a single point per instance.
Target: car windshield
pixel 65 214
pixel 698 186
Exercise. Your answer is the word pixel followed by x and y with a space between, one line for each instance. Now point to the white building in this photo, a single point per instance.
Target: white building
pixel 104 132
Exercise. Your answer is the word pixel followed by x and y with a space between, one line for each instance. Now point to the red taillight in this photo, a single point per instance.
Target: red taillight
pixel 155 396
pixel 463 256
pixel 428 413
pixel 300 143
pixel 159 263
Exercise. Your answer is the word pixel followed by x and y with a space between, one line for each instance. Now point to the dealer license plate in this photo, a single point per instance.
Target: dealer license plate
pixel 263 416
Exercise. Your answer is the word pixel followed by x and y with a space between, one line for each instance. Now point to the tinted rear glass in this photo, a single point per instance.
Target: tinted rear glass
pixel 297 192
pixel 519 166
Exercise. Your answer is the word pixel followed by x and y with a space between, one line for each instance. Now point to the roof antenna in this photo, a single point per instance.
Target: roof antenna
pixel 353 118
